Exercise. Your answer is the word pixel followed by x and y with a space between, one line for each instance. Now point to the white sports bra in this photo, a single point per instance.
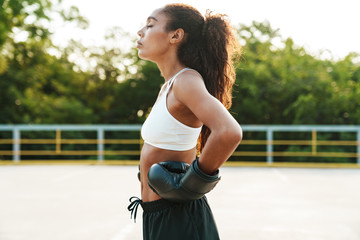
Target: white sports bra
pixel 164 131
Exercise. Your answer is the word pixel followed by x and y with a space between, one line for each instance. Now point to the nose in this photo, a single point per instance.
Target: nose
pixel 140 32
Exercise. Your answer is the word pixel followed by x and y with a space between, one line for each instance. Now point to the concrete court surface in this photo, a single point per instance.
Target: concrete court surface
pixel 90 203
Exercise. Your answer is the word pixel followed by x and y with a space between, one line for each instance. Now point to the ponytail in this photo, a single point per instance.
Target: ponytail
pixel 209 47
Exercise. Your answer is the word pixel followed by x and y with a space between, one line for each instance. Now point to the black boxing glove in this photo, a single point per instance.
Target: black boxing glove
pixel 179 182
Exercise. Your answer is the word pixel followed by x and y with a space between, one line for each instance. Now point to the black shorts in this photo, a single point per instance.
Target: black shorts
pixel 165 220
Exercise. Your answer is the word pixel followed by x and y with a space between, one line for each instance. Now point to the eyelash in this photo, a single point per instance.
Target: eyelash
pixel 149 26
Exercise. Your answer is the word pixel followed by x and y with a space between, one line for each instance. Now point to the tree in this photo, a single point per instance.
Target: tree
pixel 286 85
pixel 36 87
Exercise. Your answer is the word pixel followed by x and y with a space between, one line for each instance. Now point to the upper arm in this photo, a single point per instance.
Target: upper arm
pixel 190 90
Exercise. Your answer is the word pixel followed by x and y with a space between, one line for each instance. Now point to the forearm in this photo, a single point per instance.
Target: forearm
pixel 219 147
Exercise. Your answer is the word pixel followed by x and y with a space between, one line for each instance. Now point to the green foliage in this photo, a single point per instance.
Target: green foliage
pixel 277 81
pixel 36 87
pixel 289 86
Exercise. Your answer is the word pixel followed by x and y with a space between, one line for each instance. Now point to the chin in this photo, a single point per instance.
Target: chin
pixel 143 57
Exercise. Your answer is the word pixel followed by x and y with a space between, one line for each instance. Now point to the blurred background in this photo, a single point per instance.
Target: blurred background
pixel 73 91
pixel 75 62
pixel 52 71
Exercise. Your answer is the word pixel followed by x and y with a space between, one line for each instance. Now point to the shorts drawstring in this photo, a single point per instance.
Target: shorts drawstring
pixel 133 206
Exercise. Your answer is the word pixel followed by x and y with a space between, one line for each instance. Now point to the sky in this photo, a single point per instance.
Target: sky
pixel 317 25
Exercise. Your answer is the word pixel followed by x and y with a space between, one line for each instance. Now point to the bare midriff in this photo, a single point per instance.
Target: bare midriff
pixel 151 155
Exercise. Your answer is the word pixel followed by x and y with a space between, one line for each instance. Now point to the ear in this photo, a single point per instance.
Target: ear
pixel 177 36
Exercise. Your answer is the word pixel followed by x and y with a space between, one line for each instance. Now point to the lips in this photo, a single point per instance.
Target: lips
pixel 139 44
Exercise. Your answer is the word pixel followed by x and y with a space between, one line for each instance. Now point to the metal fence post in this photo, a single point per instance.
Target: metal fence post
pixel 58 141
pixel 269 146
pixel 314 142
pixel 100 146
pixel 16 145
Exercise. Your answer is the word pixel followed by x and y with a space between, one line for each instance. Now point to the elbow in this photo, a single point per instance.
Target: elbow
pixel 238 134
pixel 234 134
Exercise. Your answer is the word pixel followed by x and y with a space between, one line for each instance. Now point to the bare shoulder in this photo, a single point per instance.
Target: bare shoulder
pixel 187 83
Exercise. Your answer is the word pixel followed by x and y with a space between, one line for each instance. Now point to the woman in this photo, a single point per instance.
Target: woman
pixel 190 116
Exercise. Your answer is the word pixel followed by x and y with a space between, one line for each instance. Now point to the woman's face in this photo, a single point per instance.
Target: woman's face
pixel 154 40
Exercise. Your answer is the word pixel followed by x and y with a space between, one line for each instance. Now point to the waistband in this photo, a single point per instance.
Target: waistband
pixel 153 206
pixel 158 205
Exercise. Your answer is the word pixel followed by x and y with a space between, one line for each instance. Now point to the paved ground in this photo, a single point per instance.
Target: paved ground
pixel 89 203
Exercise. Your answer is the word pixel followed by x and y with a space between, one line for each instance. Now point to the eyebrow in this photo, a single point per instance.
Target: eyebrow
pixel 151 18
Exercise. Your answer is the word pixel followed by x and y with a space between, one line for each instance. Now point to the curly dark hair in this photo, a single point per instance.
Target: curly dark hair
pixel 209 47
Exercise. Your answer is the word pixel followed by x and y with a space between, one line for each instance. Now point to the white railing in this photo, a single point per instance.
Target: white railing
pixel 17 141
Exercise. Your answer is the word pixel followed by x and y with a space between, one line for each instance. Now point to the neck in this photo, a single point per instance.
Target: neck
pixel 169 71
pixel 169 67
